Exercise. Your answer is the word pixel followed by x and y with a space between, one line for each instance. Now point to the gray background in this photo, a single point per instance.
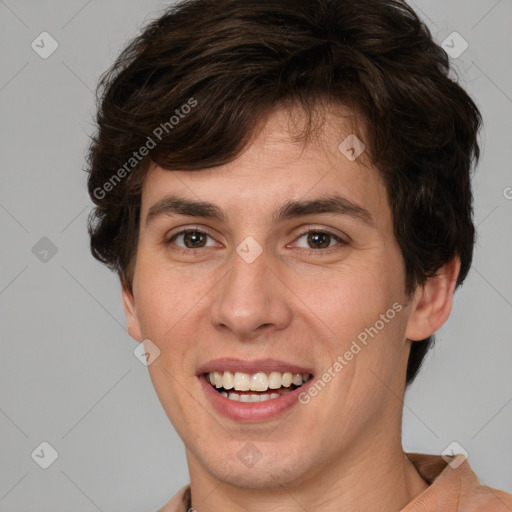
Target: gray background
pixel 68 373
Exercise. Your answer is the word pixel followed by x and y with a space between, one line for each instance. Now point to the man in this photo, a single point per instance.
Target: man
pixel 284 190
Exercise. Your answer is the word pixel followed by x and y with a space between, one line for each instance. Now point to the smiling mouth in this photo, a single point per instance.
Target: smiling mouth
pixel 256 387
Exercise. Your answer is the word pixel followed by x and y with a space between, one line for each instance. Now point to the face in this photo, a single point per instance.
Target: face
pixel 291 293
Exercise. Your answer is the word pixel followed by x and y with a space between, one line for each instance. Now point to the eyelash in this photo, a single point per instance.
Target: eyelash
pixel 310 252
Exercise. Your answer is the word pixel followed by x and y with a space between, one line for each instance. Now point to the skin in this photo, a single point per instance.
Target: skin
pixel 341 451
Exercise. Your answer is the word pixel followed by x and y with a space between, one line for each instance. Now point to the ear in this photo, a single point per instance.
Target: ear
pixel 131 314
pixel 432 302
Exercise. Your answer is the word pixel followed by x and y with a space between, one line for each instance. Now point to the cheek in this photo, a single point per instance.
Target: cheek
pixel 360 310
pixel 164 299
pixel 354 294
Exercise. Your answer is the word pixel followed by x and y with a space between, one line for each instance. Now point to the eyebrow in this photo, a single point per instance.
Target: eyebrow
pixel 335 204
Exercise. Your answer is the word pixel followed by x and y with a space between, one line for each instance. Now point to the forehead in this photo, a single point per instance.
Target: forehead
pixel 278 164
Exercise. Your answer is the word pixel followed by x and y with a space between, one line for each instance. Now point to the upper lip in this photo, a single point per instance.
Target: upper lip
pixel 253 366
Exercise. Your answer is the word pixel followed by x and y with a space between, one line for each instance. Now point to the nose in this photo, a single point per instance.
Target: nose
pixel 251 300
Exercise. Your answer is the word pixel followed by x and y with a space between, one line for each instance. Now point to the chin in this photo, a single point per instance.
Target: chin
pixel 260 477
pixel 266 471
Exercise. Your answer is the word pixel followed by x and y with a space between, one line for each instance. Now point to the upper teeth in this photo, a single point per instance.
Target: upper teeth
pixel 256 382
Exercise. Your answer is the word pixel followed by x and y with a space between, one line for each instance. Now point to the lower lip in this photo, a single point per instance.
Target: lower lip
pixel 251 411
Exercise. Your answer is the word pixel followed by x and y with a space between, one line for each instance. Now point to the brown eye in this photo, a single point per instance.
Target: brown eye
pixel 193 239
pixel 319 240
pixel 190 239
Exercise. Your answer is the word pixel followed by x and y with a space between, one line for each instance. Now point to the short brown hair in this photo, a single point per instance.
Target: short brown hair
pixel 240 59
